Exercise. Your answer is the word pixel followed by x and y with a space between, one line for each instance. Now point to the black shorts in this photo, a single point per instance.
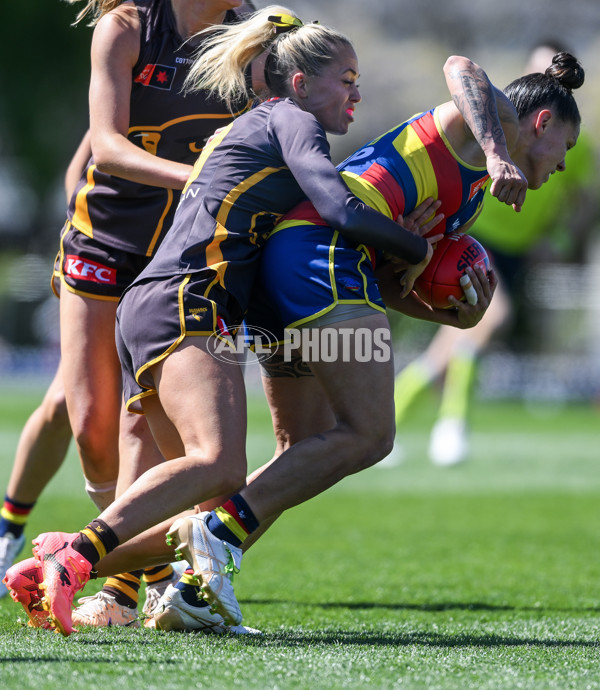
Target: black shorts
pixel 155 316
pixel 92 269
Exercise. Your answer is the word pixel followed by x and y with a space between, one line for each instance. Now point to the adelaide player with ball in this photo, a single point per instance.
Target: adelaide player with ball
pixel 509 141
pixel 334 418
pixel 452 355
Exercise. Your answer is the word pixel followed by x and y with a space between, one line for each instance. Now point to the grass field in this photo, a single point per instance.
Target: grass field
pixel 486 575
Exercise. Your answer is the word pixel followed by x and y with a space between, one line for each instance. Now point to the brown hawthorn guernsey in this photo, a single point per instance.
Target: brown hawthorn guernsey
pixel 131 216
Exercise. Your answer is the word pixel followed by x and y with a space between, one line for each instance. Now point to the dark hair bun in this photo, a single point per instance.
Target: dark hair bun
pixel 566 69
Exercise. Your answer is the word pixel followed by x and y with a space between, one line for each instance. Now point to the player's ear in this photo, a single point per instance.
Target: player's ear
pixel 542 120
pixel 300 84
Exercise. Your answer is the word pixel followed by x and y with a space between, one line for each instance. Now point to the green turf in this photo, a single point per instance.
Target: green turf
pixel 485 575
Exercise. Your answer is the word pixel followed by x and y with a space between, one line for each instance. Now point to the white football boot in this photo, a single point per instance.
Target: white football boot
pixel 154 591
pixel 102 611
pixel 213 561
pixel 174 613
pixel 448 444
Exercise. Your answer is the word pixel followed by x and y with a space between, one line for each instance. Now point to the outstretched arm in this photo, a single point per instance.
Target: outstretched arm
pixel 475 97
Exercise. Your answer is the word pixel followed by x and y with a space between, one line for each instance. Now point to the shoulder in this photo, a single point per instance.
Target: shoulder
pixel 297 134
pixel 117 33
pixel 123 20
pixel 452 124
pixel 285 114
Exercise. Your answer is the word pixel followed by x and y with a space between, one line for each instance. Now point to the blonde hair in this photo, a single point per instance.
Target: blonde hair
pixel 95 8
pixel 220 64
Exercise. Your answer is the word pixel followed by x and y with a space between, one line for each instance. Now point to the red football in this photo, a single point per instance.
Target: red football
pixel 451 256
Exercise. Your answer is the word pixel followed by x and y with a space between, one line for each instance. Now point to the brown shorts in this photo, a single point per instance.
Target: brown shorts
pixel 92 269
pixel 156 315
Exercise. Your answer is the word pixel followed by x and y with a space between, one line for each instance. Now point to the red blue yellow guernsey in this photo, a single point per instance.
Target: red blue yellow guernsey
pixel 397 171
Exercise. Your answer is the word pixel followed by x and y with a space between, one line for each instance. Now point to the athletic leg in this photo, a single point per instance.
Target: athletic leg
pixel 92 386
pixel 361 398
pixel 360 394
pixel 41 450
pixel 299 409
pixel 117 602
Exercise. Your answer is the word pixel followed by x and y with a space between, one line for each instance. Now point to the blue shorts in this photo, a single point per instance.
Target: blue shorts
pixel 308 272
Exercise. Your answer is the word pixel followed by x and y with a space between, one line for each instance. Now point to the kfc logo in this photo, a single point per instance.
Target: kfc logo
pixel 84 269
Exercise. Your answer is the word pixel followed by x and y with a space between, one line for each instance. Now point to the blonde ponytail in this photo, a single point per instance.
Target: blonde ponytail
pixel 221 63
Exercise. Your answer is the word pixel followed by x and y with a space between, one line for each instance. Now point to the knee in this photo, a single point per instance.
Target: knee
pixel 373 444
pixel 381 445
pixel 90 439
pixel 227 471
pixel 54 408
pixel 98 450
pixel 386 443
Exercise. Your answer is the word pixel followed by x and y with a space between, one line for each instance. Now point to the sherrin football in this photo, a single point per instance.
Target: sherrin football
pixel 452 255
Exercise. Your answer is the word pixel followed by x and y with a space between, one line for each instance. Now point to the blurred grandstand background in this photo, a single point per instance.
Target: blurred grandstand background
pixel 402 46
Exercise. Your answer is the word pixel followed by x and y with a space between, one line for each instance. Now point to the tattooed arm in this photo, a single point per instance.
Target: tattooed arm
pixel 479 103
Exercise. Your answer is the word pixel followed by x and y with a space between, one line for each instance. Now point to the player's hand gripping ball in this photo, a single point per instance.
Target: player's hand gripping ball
pixel 452 255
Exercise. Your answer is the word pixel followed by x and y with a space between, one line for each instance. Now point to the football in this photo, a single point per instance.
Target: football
pixel 442 276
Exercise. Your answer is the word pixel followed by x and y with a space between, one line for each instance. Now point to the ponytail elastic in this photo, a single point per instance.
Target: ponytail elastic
pixel 284 22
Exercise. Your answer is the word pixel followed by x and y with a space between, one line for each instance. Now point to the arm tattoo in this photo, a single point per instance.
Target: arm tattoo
pixel 475 100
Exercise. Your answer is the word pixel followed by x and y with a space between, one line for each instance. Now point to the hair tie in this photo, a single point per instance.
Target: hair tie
pixel 284 22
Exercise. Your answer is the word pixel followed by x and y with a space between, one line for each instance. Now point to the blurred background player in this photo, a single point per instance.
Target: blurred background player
pixel 561 207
